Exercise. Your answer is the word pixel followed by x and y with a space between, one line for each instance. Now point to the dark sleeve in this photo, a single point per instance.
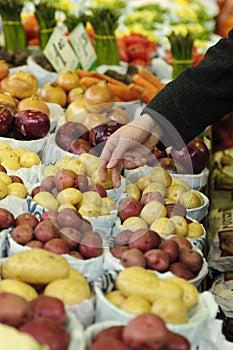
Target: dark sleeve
pixel 197 97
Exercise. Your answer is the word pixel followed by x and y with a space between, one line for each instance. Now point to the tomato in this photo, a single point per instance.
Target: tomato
pixel 197 58
pixel 135 38
pixel 136 50
pixel 122 50
pixel 140 62
pixel 168 57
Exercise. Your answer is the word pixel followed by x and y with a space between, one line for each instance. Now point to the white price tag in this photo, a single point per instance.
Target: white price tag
pixel 60 53
pixel 83 47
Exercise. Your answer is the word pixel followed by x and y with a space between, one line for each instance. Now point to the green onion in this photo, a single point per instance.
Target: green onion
pixel 14 34
pixel 181 50
pixel 104 22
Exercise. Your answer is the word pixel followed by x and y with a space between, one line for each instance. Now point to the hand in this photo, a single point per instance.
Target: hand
pixel 128 146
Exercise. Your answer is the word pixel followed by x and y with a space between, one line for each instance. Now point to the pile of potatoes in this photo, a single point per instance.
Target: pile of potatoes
pixel 148 249
pixel 60 232
pixel 75 183
pixel 146 331
pixel 138 291
pixel 160 203
pixel 35 272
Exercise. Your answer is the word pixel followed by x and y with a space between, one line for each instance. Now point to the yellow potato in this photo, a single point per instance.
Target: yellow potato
pixel 108 203
pixel 155 187
pixel 133 191
pixel 17 189
pixel 90 162
pixel 28 159
pixel 115 297
pixel 92 199
pixel 138 281
pixel 190 199
pixel 143 182
pixel 191 294
pixel 11 163
pixel 66 205
pixel 195 230
pixel 14 286
pixel 76 274
pixel 3 189
pixel 46 200
pixel 134 223
pixel 19 151
pixel 175 191
pixel 69 195
pixel 35 266
pixel 170 310
pixel 88 210
pixel 180 182
pixel 181 225
pixel 4 146
pixel 135 305
pixel 75 165
pixel 5 178
pixel 70 290
pixel 159 174
pixel 108 184
pixel 50 170
pixel 163 226
pixel 152 211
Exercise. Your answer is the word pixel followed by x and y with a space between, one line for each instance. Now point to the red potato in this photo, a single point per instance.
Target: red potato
pixel 47 183
pixel 157 259
pixel 71 236
pixel 108 343
pixel 122 238
pixel 35 244
pixel 22 234
pixel 133 257
pixel 175 209
pixel 182 241
pixel 144 239
pixel 112 332
pixel 99 189
pixel 6 218
pixel 15 310
pixel 146 331
pixel 69 217
pixel 50 215
pixel 26 218
pixel 192 258
pixel 176 341
pixel 48 307
pixel 45 231
pixel 57 246
pixel 85 226
pixel 48 332
pixel 180 269
pixel 152 196
pixel 171 247
pixel 16 178
pixel 118 251
pixel 91 245
pixel 76 254
pixel 129 207
pixel 65 178
pixel 35 190
pixel 80 146
pixel 82 183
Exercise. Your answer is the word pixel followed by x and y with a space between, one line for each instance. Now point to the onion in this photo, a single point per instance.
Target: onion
pixel 76 111
pixel 68 80
pixel 119 115
pixel 20 85
pixel 99 98
pixel 30 125
pixel 194 157
pixel 4 69
pixel 93 119
pixel 75 94
pixel 101 132
pixel 53 93
pixel 7 113
pixel 33 103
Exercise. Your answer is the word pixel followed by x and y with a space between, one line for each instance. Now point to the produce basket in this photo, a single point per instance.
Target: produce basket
pixel 201 315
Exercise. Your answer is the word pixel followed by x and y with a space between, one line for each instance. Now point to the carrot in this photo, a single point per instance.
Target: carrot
pixel 122 92
pixel 143 94
pixel 138 79
pixel 150 77
pixel 81 73
pixel 106 77
pixel 89 81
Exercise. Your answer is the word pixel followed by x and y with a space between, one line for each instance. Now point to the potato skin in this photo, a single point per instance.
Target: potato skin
pixel 20 288
pixel 15 310
pixel 6 218
pixel 35 266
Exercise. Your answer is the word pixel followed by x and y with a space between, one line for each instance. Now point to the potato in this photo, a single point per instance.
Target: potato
pixel 69 217
pixel 35 266
pixel 91 245
pixel 152 211
pixel 57 246
pixel 109 343
pixel 48 332
pixel 49 307
pixel 190 199
pixel 22 234
pixel 146 331
pixel 122 238
pixel 113 332
pixel 115 297
pixel 19 288
pixel 90 163
pixel 46 200
pixel 70 290
pixel 171 310
pixel 138 281
pixel 155 187
pixel 108 184
pixel 46 230
pixel 133 191
pixel 71 236
pixel 69 195
pixel 134 223
pixel 26 218
pixel 135 305
pixel 177 341
pixel 6 218
pixel 159 174
pixel 157 259
pixel 14 309
pixel 17 189
pixel 133 257
pixel 144 239
pixel 65 178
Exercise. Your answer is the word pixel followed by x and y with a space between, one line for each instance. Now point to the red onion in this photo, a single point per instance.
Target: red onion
pixel 194 157
pixel 7 113
pixel 30 125
pixel 101 132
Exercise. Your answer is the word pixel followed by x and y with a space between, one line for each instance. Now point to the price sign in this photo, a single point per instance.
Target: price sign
pixel 60 53
pixel 83 47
